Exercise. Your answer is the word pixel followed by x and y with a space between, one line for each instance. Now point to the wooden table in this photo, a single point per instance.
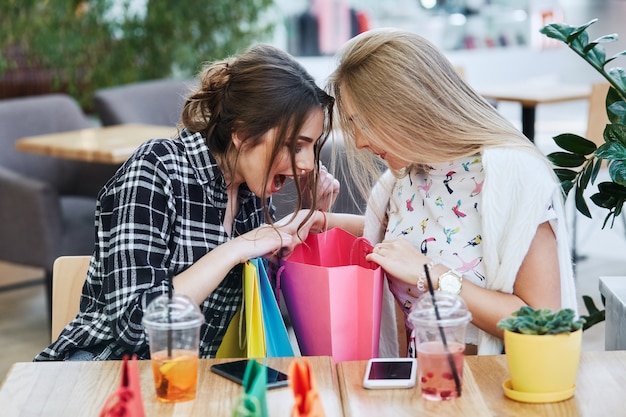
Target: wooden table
pixel 530 95
pixel 599 389
pixel 111 144
pixel 80 389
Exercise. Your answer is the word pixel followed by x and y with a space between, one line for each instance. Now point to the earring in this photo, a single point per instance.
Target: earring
pixel 302 172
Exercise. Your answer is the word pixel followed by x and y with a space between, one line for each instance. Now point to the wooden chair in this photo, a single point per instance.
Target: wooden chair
pixel 68 276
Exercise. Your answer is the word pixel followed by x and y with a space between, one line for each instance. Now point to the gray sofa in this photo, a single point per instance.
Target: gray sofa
pixel 47 204
pixel 157 102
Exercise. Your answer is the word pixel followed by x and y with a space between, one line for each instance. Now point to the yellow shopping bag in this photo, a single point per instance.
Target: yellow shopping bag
pixel 246 339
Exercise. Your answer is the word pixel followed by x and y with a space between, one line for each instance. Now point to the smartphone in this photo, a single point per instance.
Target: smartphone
pixel 235 370
pixel 384 373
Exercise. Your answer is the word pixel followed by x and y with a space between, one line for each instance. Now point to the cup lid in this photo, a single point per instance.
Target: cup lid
pixel 451 307
pixel 178 312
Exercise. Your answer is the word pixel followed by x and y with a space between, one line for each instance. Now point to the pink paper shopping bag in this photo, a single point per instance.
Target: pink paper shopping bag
pixel 333 296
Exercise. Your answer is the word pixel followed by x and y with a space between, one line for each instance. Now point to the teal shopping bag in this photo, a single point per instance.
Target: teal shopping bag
pixel 277 343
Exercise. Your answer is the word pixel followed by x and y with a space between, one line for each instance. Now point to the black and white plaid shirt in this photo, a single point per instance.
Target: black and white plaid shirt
pixel 159 214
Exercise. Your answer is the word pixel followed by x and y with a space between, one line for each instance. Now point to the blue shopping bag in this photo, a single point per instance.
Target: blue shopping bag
pixel 277 343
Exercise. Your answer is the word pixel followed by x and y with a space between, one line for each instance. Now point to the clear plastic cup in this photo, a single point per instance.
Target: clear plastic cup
pixel 440 344
pixel 173 329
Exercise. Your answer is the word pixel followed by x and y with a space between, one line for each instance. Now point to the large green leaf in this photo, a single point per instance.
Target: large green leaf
pixel 597 164
pixel 580 30
pixel 595 315
pixel 603 39
pixel 615 141
pixel 617 55
pixel 617 76
pixel 575 144
pixel 579 43
pixel 567 186
pixel 604 200
pixel 617 190
pixel 581 204
pixel 617 170
pixel 566 159
pixel 585 176
pixel 565 174
pixel 557 31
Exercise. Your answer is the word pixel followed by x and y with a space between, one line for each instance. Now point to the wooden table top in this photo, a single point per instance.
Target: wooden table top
pixel 531 94
pixel 110 144
pixel 80 389
pixel 600 383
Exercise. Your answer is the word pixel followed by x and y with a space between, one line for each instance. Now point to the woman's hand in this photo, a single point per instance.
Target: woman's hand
pixel 327 189
pixel 400 259
pixel 264 241
pixel 294 225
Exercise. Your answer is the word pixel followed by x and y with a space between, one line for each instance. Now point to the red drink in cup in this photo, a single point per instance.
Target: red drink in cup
pixel 435 374
pixel 440 344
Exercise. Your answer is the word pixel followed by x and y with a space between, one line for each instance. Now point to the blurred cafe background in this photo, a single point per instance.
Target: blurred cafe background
pixel 81 48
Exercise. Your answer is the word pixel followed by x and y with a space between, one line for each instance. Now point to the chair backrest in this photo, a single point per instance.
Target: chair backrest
pixel 68 276
pixel 36 115
pixel 157 102
pixel 597 118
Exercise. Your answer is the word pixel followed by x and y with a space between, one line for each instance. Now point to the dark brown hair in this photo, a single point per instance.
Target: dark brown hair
pixel 261 89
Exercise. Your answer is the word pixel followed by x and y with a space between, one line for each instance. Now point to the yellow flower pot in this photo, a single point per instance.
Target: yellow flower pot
pixel 543 363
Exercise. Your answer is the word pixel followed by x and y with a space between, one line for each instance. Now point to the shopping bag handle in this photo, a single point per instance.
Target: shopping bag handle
pixel 277 289
pixel 361 247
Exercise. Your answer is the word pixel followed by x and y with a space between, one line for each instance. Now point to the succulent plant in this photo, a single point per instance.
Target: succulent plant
pixel 528 320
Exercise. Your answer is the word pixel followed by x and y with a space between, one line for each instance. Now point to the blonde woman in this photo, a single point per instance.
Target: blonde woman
pixel 465 192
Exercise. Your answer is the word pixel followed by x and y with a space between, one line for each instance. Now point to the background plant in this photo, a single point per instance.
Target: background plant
pixel 528 320
pixel 99 43
pixel 580 164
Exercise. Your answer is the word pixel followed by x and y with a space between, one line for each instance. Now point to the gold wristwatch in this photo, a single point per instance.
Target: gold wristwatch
pixel 451 282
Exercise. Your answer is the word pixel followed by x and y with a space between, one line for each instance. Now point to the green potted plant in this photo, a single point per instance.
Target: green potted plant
pixel 79 46
pixel 579 162
pixel 543 353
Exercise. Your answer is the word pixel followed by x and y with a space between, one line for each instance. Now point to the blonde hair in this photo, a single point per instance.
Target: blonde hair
pixel 407 98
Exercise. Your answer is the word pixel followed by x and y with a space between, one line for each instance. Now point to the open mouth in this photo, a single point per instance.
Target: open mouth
pixel 277 184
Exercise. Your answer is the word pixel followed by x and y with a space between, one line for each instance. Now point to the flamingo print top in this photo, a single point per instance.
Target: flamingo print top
pixel 438 208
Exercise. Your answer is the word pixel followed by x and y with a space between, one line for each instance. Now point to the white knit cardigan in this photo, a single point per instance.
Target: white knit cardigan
pixel 517 186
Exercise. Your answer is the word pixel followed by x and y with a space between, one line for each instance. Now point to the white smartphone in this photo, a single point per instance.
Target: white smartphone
pixel 384 373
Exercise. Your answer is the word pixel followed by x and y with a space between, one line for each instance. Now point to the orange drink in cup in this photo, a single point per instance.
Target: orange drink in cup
pixel 175 376
pixel 173 329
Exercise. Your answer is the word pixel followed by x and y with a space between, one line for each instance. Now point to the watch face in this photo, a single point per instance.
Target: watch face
pixel 450 282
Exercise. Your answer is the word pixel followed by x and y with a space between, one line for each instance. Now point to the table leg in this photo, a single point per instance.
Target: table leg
pixel 528 122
